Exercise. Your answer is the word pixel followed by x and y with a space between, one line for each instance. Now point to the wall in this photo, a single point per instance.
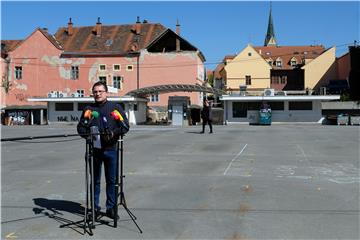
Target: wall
pixel 243 65
pixel 321 69
pixel 134 117
pixel 278 116
pixel 37 76
pixel 343 66
pixel 171 68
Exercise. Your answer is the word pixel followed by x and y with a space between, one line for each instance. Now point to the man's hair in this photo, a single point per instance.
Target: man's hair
pixel 100 83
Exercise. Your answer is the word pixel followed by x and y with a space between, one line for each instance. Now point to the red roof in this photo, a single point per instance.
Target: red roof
pixel 9 45
pixel 286 53
pixel 118 39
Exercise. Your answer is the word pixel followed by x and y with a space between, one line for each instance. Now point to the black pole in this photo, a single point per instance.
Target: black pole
pixel 121 179
pixel 88 224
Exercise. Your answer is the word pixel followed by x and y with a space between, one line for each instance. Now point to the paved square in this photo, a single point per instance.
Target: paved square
pixel 288 181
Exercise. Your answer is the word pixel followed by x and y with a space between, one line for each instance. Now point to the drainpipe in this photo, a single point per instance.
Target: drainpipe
pixel 6 84
pixel 138 71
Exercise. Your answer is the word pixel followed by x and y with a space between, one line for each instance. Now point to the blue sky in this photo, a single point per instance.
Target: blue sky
pixel 216 28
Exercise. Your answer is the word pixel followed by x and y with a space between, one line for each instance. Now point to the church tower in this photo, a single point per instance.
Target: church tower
pixel 270 39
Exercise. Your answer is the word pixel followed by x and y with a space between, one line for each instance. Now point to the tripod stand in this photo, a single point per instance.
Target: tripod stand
pixel 120 184
pixel 89 214
pixel 89 220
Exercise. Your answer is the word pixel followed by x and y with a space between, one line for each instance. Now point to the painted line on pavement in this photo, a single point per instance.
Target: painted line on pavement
pixel 237 155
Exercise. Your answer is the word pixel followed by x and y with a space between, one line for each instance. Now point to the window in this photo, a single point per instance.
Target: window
pixel 154 98
pixel 270 62
pixel 64 106
pixel 108 42
pixel 300 105
pixel 116 67
pixel 102 79
pixel 249 54
pixel 278 63
pixel 102 67
pixel 254 106
pixel 129 68
pixel 248 80
pixel 276 106
pixel 239 109
pixel 80 92
pixel 293 62
pixel 18 72
pixel 275 79
pixel 283 79
pixel 74 72
pixel 117 80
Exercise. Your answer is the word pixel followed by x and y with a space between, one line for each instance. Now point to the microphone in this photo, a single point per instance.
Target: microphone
pixel 90 115
pixel 117 116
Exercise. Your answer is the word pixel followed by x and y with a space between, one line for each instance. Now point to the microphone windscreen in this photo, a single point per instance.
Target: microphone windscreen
pixel 117 115
pixel 87 114
pixel 95 114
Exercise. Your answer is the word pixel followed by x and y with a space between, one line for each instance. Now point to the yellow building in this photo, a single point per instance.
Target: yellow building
pixel 281 68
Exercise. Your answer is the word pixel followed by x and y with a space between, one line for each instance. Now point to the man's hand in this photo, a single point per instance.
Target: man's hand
pixel 108 135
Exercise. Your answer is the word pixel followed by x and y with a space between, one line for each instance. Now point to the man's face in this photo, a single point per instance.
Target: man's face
pixel 99 93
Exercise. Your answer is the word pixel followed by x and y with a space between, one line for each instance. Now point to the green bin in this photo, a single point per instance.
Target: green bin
pixel 265 117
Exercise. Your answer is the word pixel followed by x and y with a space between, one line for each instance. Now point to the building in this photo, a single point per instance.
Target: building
pixel 69 109
pixel 282 77
pixel 126 57
pixel 296 108
pixel 280 68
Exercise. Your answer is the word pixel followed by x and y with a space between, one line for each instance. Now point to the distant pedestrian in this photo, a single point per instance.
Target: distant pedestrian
pixel 206 115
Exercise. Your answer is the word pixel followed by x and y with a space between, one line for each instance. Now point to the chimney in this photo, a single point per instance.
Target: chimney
pixel 177 38
pixel 177 27
pixel 138 26
pixel 70 30
pixel 98 28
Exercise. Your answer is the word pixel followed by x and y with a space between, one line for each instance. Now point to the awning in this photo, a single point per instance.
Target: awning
pixel 174 88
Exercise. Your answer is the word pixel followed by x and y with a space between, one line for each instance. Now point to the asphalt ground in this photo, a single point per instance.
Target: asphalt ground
pixel 288 181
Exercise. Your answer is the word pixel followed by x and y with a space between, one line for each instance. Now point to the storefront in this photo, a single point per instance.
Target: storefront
pixel 23 115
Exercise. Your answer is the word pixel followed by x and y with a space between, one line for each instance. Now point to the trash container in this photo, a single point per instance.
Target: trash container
pixel 265 117
pixel 342 119
pixel 355 120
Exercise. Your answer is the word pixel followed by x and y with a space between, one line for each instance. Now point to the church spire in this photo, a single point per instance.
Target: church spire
pixel 270 39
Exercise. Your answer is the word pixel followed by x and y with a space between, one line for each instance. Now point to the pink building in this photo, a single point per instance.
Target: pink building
pixel 127 57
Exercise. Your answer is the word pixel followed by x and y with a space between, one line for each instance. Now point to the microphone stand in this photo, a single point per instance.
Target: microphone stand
pixel 89 220
pixel 120 184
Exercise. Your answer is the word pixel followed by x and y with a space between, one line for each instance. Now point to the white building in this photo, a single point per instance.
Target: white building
pixel 69 109
pixel 294 108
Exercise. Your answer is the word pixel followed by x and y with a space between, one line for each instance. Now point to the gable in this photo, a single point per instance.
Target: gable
pixel 247 57
pixel 38 43
pixel 167 43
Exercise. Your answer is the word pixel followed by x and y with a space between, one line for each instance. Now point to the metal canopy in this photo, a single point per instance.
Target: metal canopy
pixel 174 88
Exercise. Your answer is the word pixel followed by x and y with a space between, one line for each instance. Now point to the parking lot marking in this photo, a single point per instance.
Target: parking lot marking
pixel 237 155
pixel 11 236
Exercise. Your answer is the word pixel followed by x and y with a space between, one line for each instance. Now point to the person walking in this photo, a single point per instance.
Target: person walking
pixel 110 128
pixel 206 115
